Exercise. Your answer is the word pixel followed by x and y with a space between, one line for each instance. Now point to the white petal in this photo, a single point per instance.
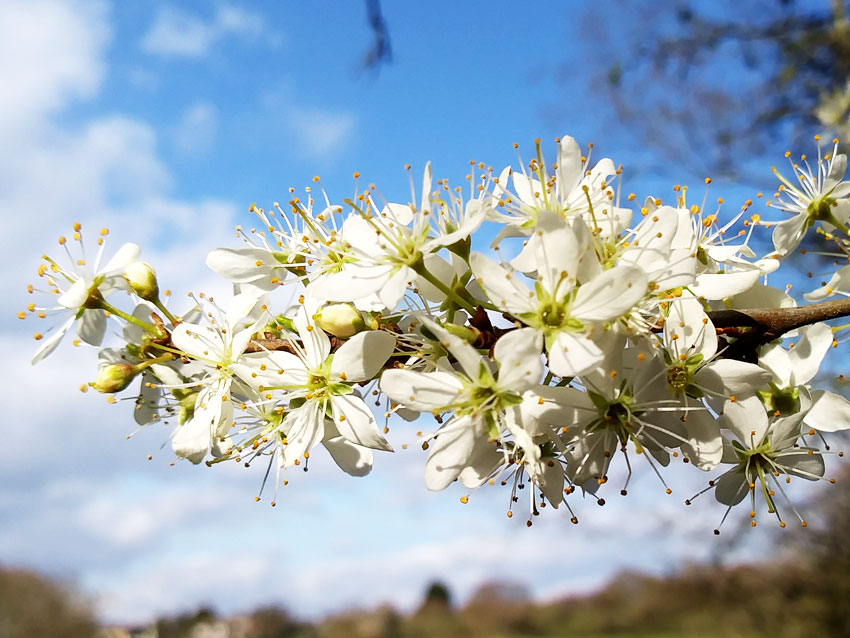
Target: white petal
pixel 352 459
pixel 423 391
pixel 650 247
pixel 270 369
pixel 401 214
pixel 807 354
pixel 787 235
pixel 316 344
pixel 556 253
pixel 746 419
pixel 693 330
pixel 465 354
pixel 785 431
pixel 91 326
pixel 126 255
pixel 451 451
pixel 571 355
pixel 727 377
pixel 199 341
pixel 75 296
pixel 192 439
pixel 393 288
pixel 721 285
pixel 240 264
pixel 501 285
pixel 705 445
pixel 443 271
pixel 610 295
pixel 519 355
pixel 548 475
pixel 829 413
pixel 801 463
pixel 548 408
pixel 525 188
pixel 351 283
pixel 774 358
pixel 304 428
pixel 839 282
pixel 354 420
pixel 569 170
pixel 361 357
pixel 481 464
pixel 149 395
pixel 761 296
pixel 49 344
pixel 242 307
pixel 731 488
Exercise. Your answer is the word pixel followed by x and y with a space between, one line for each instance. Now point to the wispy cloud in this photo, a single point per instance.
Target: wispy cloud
pixel 50 52
pixel 195 132
pixel 322 133
pixel 177 33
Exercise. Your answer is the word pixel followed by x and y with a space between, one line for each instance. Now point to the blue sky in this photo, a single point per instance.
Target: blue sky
pixel 164 121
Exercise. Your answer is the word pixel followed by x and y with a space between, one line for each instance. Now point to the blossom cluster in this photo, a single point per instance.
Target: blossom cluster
pixel 592 332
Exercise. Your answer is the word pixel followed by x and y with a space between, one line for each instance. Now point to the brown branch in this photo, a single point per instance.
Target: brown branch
pixel 748 328
pixel 755 327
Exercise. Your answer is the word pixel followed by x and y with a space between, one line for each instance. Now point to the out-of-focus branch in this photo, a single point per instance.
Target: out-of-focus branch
pixel 380 52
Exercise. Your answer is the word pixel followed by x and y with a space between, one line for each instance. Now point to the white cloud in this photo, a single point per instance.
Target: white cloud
pixel 195 132
pixel 321 133
pixel 176 33
pixel 50 53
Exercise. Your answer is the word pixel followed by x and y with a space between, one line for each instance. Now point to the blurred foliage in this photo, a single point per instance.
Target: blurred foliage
pixel 31 606
pixel 708 82
pixel 276 622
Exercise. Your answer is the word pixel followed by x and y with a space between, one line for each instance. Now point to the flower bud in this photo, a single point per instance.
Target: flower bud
pixel 142 280
pixel 340 320
pixel 114 378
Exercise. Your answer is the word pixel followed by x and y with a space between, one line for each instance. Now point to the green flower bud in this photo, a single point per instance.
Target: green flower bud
pixel 114 378
pixel 142 280
pixel 340 319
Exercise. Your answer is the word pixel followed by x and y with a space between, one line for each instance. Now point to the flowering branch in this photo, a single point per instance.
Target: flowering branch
pixel 592 338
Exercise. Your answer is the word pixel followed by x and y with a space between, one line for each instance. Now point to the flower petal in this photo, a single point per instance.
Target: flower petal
pixel 75 296
pixel 806 356
pixel 746 419
pixel 355 421
pixel 422 391
pixel 570 355
pixel 91 326
pixel 352 459
pixel 610 295
pixel 361 357
pixel 501 285
pixel 451 451
pixel 731 488
pixel 240 265
pixel 688 330
pixel 49 344
pixel 126 255
pixel 519 355
pixel 727 377
pixel 829 413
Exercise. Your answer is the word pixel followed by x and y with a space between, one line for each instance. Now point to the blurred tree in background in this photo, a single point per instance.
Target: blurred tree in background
pixel 827 550
pixel 32 606
pixel 709 82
